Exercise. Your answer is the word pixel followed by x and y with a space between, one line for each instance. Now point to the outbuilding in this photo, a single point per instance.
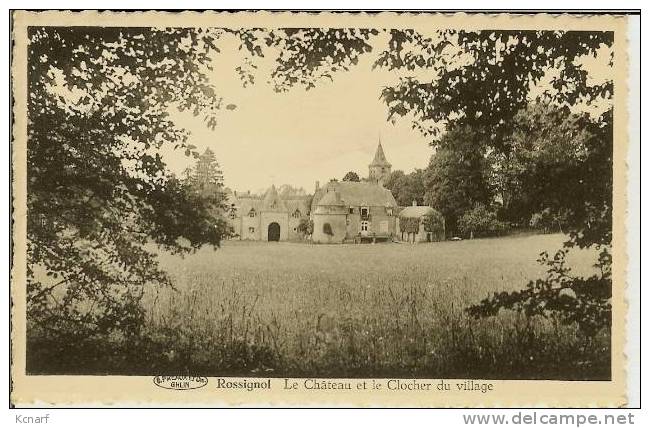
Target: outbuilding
pixel 421 223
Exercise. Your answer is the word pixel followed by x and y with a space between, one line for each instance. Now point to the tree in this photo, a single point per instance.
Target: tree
pixel 407 188
pixel 207 178
pixel 98 191
pixel 395 182
pixel 305 227
pixel 480 221
pixel 207 172
pixel 457 176
pixel 351 176
pixel 205 181
pixel 548 144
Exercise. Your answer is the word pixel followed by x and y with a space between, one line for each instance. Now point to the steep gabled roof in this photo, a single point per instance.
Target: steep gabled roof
pixel 272 201
pixel 301 203
pixel 244 202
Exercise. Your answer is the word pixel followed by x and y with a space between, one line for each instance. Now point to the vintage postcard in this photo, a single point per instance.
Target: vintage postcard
pixel 318 209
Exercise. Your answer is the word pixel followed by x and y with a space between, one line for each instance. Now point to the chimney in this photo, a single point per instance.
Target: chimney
pixel 317 185
pixel 415 203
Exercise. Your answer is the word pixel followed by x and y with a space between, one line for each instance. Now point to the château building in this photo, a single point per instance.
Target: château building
pixel 348 211
pixel 267 217
pixel 341 211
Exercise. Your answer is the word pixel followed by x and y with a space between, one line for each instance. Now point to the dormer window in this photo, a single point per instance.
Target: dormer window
pixel 364 212
pixel 351 210
pixel 251 213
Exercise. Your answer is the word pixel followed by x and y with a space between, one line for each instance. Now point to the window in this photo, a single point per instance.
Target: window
pixel 233 213
pixel 296 214
pixel 351 211
pixel 251 230
pixel 389 211
pixel 364 226
pixel 251 213
pixel 364 212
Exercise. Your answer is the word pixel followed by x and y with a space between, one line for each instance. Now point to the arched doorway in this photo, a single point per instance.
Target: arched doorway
pixel 274 232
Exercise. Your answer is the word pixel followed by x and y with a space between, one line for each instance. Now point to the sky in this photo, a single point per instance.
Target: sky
pixel 300 136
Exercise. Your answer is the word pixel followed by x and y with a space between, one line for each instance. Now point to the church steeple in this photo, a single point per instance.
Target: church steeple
pixel 379 168
pixel 380 157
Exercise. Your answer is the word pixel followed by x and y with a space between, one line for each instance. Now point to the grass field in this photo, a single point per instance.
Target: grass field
pixel 275 309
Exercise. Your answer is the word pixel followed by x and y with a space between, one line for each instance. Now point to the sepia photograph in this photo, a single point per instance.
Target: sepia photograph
pixel 264 200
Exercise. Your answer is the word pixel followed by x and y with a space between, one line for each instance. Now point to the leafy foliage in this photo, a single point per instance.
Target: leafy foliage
pixel 407 188
pixel 585 301
pixel 548 145
pixel 434 222
pixel 312 54
pixel 98 191
pixel 547 220
pixel 303 56
pixel 457 177
pixel 409 224
pixel 480 221
pixel 305 226
pixel 484 78
pixel 351 176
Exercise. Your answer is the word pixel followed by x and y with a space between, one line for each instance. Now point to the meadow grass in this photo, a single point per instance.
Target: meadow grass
pixel 385 310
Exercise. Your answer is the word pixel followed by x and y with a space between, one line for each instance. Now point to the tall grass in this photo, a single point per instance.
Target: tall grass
pixel 386 310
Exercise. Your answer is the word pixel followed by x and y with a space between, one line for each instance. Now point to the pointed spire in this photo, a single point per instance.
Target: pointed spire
pixel 380 157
